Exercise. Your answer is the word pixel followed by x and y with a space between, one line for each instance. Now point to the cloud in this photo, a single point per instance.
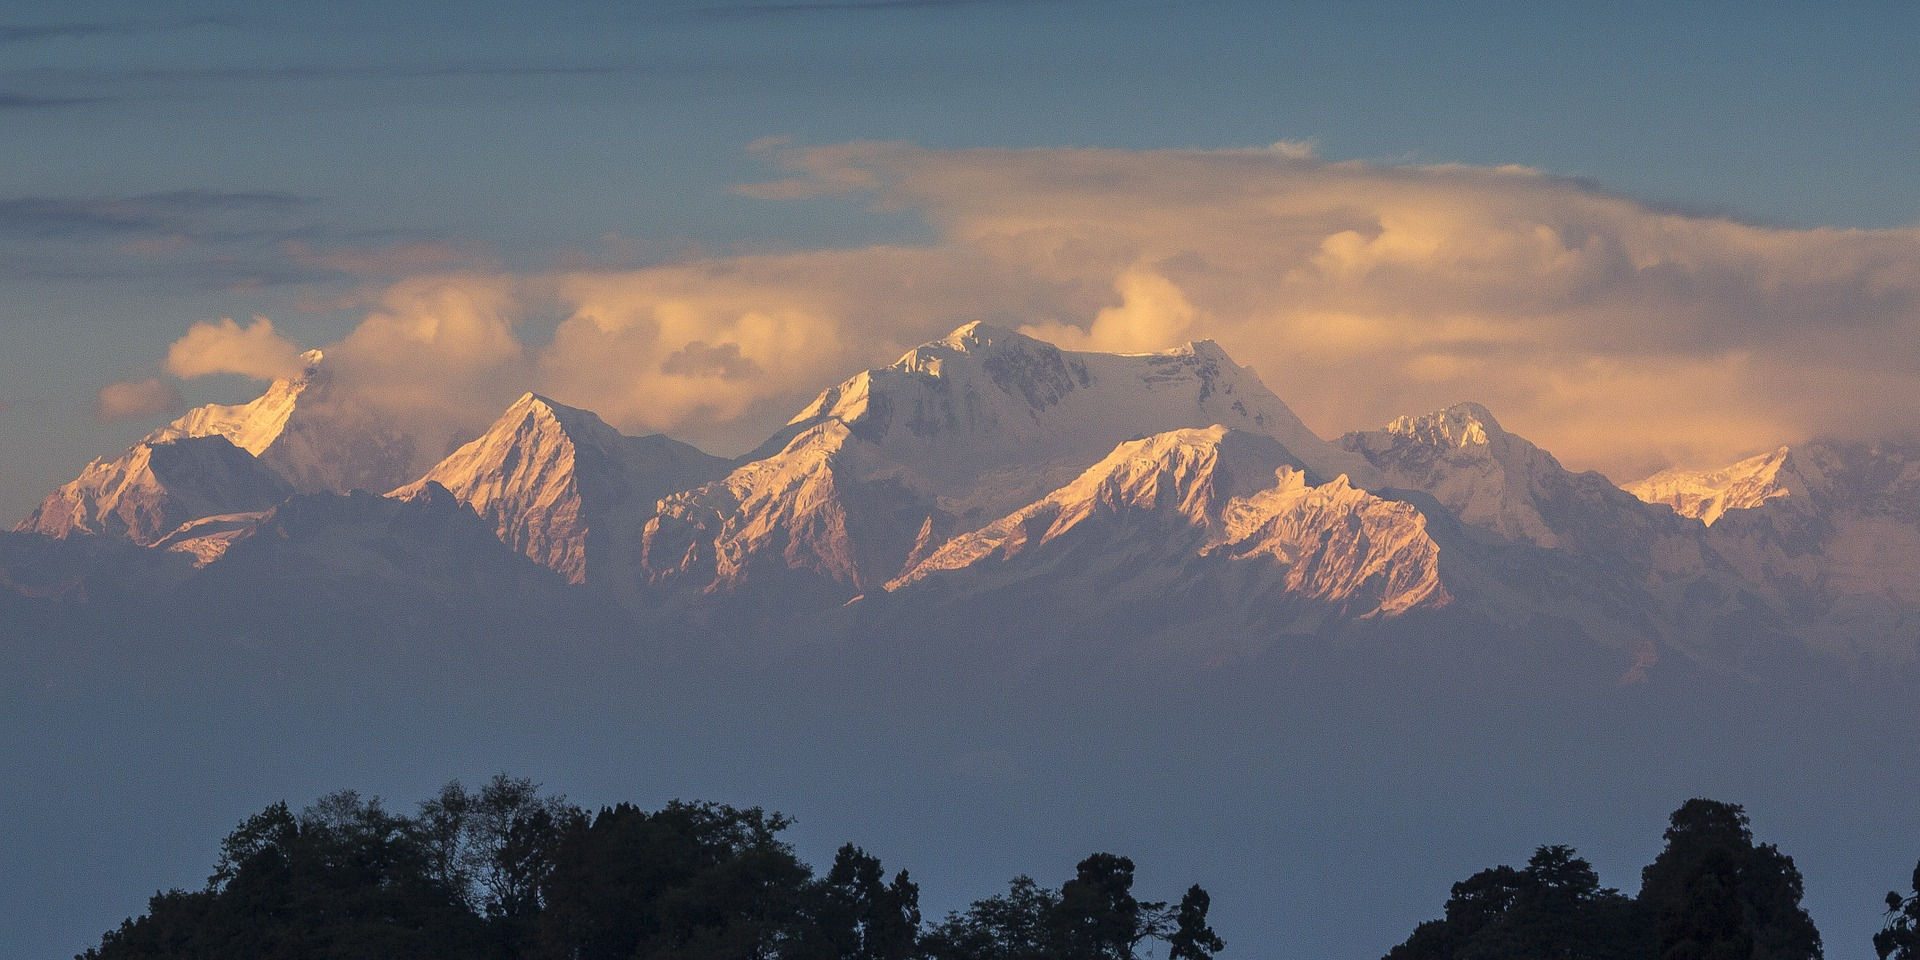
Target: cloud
pixel 204 213
pixel 789 7
pixel 130 399
pixel 255 350
pixel 702 359
pixel 439 350
pixel 27 101
pixel 92 29
pixel 1619 334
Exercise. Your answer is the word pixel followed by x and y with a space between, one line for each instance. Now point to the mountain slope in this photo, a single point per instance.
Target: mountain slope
pixel 310 431
pixel 363 555
pixel 1707 495
pixel 562 487
pixel 1829 529
pixel 883 467
pixel 155 487
pixel 1503 485
pixel 1196 513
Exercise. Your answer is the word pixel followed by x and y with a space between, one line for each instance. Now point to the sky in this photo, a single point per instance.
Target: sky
pixel 1643 234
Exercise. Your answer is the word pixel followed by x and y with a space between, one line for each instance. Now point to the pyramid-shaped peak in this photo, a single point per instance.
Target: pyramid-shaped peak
pixel 544 408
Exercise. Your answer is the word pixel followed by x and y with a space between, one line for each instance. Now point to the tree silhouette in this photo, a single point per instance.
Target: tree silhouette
pixel 1899 938
pixel 505 873
pixel 1192 938
pixel 1714 893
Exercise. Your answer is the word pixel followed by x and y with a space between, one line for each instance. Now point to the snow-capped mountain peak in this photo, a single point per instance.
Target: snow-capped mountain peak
pixel 1202 509
pixel 1500 482
pixel 984 398
pixel 155 487
pixel 309 429
pixel 252 426
pixel 562 486
pixel 1707 495
pixel 1461 425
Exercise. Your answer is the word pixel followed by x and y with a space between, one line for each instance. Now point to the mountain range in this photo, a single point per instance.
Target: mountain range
pixel 990 482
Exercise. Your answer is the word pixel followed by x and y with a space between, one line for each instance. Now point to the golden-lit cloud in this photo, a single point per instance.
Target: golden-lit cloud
pixel 254 350
pixel 1619 334
pixel 131 399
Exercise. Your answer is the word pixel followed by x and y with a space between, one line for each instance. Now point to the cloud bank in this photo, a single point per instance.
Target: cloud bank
pixel 1620 334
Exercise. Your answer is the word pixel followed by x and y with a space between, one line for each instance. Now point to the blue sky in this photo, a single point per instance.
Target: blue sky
pixel 171 166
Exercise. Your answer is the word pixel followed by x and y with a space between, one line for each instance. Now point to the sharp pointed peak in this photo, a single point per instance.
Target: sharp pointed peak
pixel 540 403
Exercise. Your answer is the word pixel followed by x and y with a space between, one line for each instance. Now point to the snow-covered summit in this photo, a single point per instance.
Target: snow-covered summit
pixel 1209 511
pixel 561 486
pixel 1500 482
pixel 888 464
pixel 310 430
pixel 156 486
pixel 1461 425
pixel 1707 495
pixel 985 397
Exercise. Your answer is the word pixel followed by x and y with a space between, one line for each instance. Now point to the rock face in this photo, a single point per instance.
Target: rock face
pixel 311 432
pixel 153 488
pixel 562 487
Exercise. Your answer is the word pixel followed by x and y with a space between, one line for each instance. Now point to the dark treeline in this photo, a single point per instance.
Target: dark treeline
pixel 1711 894
pixel 504 872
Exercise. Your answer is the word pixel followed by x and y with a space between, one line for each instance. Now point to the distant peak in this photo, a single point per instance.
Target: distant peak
pixel 1206 350
pixel 1460 425
pixel 979 331
pixel 312 366
pixel 543 407
pixel 979 335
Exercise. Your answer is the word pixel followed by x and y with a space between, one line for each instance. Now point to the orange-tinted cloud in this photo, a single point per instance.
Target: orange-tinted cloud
pixel 1617 333
pixel 254 350
pixel 131 399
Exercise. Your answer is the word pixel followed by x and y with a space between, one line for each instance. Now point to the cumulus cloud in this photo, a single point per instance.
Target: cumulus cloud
pixel 1619 334
pixel 130 399
pixel 255 351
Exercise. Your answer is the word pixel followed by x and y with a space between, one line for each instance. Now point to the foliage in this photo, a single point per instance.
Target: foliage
pixel 1711 894
pixel 1899 939
pixel 505 872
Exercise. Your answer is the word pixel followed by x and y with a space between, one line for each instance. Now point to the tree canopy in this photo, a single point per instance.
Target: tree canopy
pixel 506 873
pixel 1711 894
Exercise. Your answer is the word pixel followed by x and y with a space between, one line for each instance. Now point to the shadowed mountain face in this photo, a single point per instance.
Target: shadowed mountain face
pixel 154 488
pixel 989 482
